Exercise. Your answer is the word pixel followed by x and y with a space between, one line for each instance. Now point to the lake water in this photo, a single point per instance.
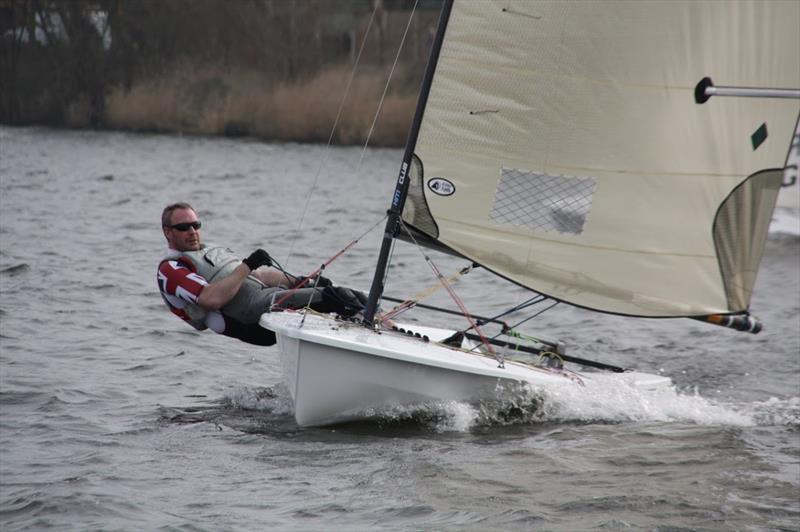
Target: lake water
pixel 115 415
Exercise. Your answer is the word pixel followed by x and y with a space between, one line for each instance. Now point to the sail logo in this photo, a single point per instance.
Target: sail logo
pixel 441 186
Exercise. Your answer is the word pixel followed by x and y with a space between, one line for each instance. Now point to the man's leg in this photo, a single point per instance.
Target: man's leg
pixel 338 299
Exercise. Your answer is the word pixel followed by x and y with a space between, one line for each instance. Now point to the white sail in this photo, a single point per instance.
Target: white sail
pixel 562 148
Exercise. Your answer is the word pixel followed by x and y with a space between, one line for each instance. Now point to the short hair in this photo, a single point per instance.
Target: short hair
pixel 166 216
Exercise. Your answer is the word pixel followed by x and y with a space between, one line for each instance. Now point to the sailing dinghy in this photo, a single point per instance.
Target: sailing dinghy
pixel 623 157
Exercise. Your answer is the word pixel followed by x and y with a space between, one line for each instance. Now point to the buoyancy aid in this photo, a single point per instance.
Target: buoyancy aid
pixel 255 298
pixel 190 312
pixel 216 262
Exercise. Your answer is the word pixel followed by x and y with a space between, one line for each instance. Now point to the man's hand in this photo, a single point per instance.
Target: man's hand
pixel 257 259
pixel 308 282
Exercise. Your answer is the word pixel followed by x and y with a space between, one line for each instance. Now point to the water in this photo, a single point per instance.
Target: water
pixel 114 415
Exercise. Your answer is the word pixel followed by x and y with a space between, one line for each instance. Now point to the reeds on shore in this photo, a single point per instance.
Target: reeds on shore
pixel 217 101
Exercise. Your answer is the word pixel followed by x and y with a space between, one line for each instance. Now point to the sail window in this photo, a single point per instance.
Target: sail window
pixel 542 202
pixel 740 233
pixel 415 210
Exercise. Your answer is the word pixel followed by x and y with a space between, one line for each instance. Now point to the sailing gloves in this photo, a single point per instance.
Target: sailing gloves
pixel 257 259
pixel 260 258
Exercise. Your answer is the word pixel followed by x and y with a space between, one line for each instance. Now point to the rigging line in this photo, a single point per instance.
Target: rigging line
pixel 397 310
pixel 509 330
pixel 535 300
pixel 386 87
pixel 530 302
pixel 483 319
pixel 310 299
pixel 413 300
pixel 528 318
pixel 388 261
pixel 498 356
pixel 333 131
pixel 315 273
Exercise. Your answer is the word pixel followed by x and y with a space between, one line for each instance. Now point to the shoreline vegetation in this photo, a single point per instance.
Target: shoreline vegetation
pixel 211 101
pixel 275 70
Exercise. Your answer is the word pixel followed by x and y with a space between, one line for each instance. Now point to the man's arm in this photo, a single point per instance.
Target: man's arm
pixel 273 277
pixel 218 293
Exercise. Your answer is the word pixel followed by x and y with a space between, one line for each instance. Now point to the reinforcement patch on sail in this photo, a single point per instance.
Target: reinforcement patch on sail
pixel 542 202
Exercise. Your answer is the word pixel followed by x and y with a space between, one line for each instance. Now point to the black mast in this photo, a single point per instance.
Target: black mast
pixel 401 188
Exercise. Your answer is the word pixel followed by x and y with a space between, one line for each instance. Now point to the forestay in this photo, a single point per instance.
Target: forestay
pixel 561 147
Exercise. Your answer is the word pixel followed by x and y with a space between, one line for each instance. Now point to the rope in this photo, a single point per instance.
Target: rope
pixel 527 319
pixel 456 299
pixel 333 131
pixel 310 298
pixel 532 301
pixel 516 334
pixel 316 272
pixel 363 151
pixel 388 81
pixel 410 303
pixel 339 113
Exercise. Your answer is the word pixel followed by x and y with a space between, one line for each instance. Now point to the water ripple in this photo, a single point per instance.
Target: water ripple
pixel 18 269
pixel 116 415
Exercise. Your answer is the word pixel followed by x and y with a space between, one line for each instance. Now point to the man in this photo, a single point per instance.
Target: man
pixel 210 288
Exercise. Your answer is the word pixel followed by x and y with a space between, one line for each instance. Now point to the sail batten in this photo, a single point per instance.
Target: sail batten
pixel 566 153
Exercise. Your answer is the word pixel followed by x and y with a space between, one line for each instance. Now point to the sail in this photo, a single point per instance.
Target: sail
pixel 561 147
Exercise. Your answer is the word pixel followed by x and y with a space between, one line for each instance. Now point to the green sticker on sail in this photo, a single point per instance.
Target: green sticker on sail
pixel 759 136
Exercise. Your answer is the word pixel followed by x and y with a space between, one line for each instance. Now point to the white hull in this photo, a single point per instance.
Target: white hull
pixel 339 372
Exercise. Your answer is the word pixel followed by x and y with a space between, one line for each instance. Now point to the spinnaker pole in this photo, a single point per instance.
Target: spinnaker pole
pixel 705 89
pixel 401 187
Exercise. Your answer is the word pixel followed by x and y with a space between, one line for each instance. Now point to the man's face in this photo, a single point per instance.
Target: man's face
pixel 188 240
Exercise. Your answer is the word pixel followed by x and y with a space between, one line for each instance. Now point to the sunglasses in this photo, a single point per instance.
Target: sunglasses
pixel 185 226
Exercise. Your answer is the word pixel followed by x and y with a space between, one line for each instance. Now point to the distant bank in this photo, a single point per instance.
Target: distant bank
pixel 240 103
pixel 271 69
